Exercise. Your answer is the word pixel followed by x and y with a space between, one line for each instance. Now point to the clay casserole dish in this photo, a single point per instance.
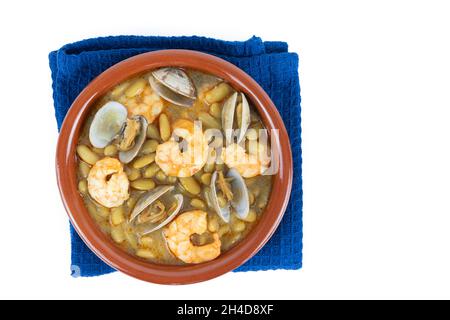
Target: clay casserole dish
pixel 100 243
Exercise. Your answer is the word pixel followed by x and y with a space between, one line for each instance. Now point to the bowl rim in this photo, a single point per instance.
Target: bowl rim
pixel 99 242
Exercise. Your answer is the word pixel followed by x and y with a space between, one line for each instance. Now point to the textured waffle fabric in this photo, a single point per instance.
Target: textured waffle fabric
pixel 269 63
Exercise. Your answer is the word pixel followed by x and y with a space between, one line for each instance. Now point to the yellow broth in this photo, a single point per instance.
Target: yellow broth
pixel 114 221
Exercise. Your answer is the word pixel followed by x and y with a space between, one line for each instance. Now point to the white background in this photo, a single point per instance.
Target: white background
pixel 375 82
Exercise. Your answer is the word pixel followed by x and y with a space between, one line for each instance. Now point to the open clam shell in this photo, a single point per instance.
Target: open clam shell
pixel 129 155
pixel 146 200
pixel 149 228
pixel 223 212
pixel 203 82
pixel 228 115
pixel 107 123
pixel 174 85
pixel 245 116
pixel 240 201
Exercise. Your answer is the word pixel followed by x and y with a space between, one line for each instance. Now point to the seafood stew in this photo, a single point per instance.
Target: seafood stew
pixel 175 166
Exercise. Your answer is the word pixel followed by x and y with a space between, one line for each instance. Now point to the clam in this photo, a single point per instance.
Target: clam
pixel 131 138
pixel 228 115
pixel 107 124
pixel 128 134
pixel 111 124
pixel 203 82
pixel 224 212
pixel 238 200
pixel 150 214
pixel 174 85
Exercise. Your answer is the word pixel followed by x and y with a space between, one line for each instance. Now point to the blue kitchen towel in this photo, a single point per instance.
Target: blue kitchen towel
pixel 269 63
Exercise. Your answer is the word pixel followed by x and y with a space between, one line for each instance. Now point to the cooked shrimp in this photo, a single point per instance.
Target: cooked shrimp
pixel 178 236
pixel 147 104
pixel 247 164
pixel 108 183
pixel 186 162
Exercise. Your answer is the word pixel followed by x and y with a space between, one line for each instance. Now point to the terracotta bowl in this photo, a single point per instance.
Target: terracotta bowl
pixel 100 243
